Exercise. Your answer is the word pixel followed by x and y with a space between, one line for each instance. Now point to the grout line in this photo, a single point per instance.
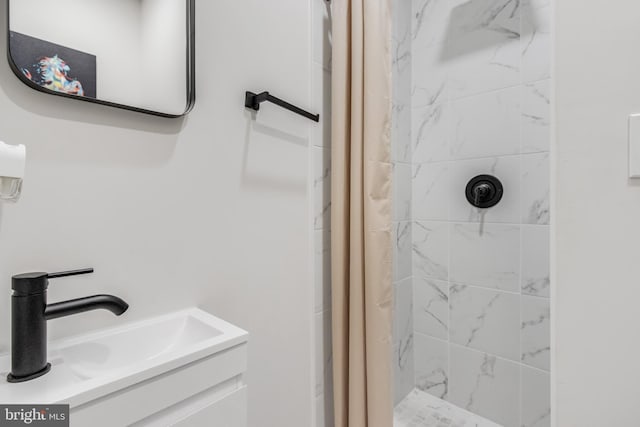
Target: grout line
pixel 485 288
pixel 521 247
pixel 442 340
pixel 501 358
pixel 538 297
pixel 533 368
pixel 520 330
pixel 488 157
pixel 441 221
pixel 449 313
pixel 455 99
pixel 475 350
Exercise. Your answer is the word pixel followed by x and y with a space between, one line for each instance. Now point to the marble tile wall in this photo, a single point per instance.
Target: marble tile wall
pixel 403 342
pixel 480 103
pixel 321 157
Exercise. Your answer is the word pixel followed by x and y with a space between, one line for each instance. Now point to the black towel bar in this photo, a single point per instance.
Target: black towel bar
pixel 253 101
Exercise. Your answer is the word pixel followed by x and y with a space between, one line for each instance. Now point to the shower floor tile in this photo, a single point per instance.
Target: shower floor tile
pixel 420 409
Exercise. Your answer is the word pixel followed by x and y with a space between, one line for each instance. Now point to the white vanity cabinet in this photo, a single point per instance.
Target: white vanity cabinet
pixel 209 392
pixel 185 369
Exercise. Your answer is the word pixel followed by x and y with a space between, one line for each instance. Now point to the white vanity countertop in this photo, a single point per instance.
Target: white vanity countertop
pixel 90 366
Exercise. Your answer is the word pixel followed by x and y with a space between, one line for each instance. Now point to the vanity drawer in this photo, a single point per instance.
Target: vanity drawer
pixel 230 411
pixel 170 397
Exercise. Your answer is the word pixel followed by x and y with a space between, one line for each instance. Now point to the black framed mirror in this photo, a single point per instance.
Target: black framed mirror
pixel 133 54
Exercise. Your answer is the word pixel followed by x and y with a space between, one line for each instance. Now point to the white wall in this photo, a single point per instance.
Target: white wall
pixel 211 211
pixel 597 214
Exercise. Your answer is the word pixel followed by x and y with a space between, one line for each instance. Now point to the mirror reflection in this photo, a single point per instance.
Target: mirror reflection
pixel 135 54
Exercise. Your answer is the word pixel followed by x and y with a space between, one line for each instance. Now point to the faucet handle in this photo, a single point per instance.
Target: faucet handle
pixel 36 283
pixel 69 273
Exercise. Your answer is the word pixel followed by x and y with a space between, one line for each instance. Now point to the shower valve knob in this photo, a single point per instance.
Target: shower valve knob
pixel 484 191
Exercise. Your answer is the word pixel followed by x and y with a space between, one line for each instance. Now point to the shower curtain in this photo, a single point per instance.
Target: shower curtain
pixel 361 213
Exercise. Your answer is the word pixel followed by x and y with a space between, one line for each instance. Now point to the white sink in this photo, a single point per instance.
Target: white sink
pixel 87 367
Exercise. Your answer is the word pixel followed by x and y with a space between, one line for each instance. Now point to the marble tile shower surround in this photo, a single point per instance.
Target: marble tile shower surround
pixel 403 345
pixel 480 103
pixel 321 158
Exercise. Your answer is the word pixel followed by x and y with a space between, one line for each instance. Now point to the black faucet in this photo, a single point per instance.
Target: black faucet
pixel 29 315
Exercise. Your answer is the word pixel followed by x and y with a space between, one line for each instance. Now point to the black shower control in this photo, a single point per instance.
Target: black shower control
pixel 484 191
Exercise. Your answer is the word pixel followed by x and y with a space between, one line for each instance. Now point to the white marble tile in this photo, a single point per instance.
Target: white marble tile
pixel 403 252
pixel 431 307
pixel 401 132
pixel 536 43
pixel 321 28
pixel 322 188
pixel 403 334
pixel 486 255
pixel 431 191
pixel 486 125
pixel 484 46
pixel 485 385
pixel 430 133
pixel 473 20
pixel 535 260
pixel 536 332
pixel 477 71
pixel 402 63
pixel 324 410
pixel 429 75
pixel 401 126
pixel 322 270
pixel 535 189
pixel 403 382
pixel 324 358
pixel 431 249
pixel 506 169
pixel 430 22
pixel 322 104
pixel 402 16
pixel 486 320
pixel 536 117
pixel 401 38
pixel 402 191
pixel 536 398
pixel 420 409
pixel 536 4
pixel 403 314
pixel 432 366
